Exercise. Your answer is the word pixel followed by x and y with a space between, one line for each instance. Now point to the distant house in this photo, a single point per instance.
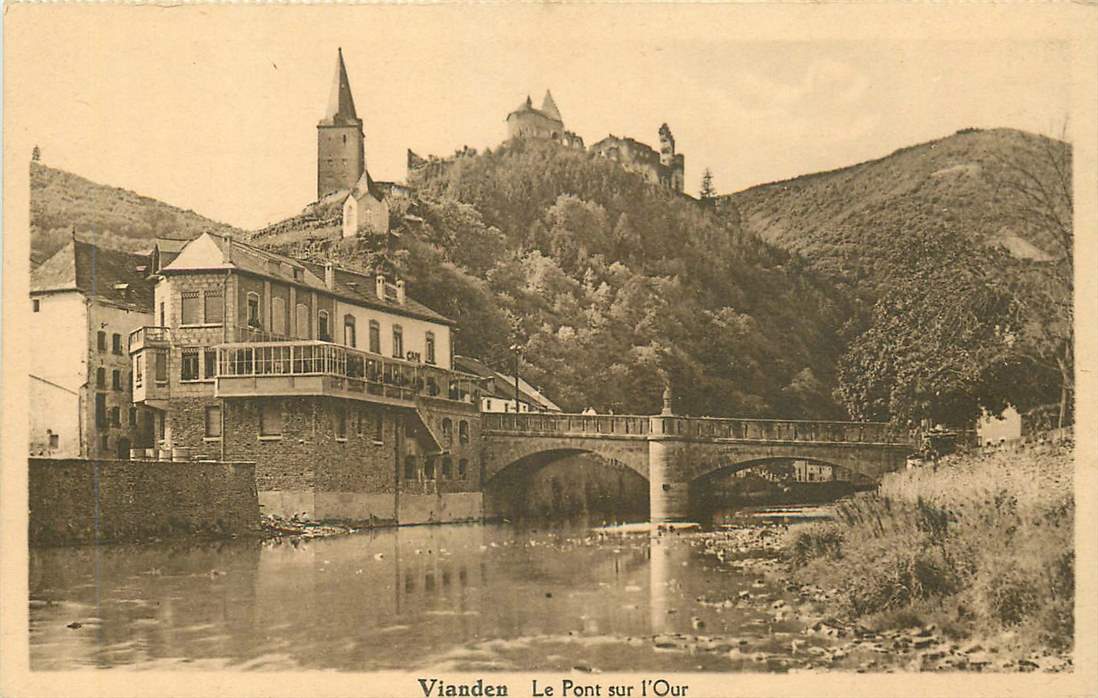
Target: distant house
pixel 1004 427
pixel 498 389
pixel 85 301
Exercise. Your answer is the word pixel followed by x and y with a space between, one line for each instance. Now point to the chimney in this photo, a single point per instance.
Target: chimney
pixel 400 291
pixel 229 247
pixel 379 286
pixel 330 276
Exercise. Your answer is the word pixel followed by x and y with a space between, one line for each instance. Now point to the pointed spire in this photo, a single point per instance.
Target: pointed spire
pixel 549 107
pixel 341 105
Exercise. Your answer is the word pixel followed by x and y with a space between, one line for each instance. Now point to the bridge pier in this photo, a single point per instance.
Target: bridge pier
pixel 668 499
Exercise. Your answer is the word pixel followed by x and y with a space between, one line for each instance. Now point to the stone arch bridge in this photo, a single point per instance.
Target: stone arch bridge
pixel 671 452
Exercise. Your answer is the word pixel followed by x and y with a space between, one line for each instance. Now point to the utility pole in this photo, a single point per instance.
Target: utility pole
pixel 515 348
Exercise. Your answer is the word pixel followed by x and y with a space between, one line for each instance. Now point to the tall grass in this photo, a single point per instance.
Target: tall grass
pixel 980 545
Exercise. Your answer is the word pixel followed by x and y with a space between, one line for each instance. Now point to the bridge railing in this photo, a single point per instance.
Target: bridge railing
pixel 697 427
pixel 542 423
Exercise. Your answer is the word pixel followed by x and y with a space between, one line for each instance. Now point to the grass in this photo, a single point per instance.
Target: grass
pixel 981 546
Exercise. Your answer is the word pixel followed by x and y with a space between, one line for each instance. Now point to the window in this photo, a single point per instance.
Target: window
pixel 101 341
pixel 188 365
pixel 410 468
pixel 429 468
pixel 341 422
pixel 429 348
pixel 379 427
pixel 190 307
pixel 161 366
pixel 101 377
pixel 253 310
pixel 270 419
pixel 213 422
pixel 116 379
pixel 302 329
pixel 463 432
pixel 375 337
pixel 278 317
pixel 488 406
pixel 447 431
pixel 447 468
pixel 163 318
pixel 463 467
pixel 116 343
pixel 349 330
pixel 360 422
pixel 139 370
pixel 116 417
pixel 398 342
pixel 161 425
pixel 323 329
pixel 55 439
pixel 214 307
pixel 35 305
pixel 209 360
pixel 100 410
pixel 105 442
pixel 133 416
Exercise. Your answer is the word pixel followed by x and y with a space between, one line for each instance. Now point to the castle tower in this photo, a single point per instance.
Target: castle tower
pixel 340 143
pixel 667 146
pixel 549 107
pixel 672 164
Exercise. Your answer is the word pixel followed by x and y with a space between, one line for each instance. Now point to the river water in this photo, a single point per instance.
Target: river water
pixel 458 598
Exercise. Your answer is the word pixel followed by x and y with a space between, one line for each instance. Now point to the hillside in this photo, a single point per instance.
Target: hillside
pixel 842 221
pixel 109 216
pixel 607 282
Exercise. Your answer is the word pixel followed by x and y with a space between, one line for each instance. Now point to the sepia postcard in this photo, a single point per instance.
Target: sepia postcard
pixel 549 350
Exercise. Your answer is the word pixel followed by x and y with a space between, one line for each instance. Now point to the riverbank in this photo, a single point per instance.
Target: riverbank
pixel 966 565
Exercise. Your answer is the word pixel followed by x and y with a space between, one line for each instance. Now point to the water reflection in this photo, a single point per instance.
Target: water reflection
pixel 398 598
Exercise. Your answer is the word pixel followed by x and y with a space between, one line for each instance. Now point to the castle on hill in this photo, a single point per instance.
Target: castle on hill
pixel 664 167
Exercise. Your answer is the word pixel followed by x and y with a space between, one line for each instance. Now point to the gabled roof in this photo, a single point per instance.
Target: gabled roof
pixel 212 252
pixel 502 386
pixel 365 185
pixel 106 275
pixel 341 104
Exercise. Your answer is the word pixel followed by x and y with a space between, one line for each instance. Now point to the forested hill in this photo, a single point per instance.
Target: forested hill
pixel 606 280
pixel 844 220
pixel 109 216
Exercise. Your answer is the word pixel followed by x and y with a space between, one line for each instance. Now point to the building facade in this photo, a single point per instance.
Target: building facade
pixel 498 393
pixel 545 123
pixel 85 301
pixel 337 384
pixel 665 167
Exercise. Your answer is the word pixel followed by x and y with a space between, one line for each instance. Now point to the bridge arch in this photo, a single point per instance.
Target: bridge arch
pixel 503 453
pixel 735 465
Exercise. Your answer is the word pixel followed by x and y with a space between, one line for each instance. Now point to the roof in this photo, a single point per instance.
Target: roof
pixel 366 185
pixel 549 107
pixel 502 386
pixel 211 251
pixel 341 104
pixel 106 275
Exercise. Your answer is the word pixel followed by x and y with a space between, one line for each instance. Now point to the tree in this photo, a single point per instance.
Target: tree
pixel 1037 188
pixel 706 194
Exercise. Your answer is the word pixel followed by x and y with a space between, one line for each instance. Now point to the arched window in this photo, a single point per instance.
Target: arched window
pixel 447 431
pixel 429 468
pixel 253 310
pixel 323 328
pixel 302 328
pixel 447 468
pixel 375 337
pixel 463 432
pixel 410 468
pixel 349 330
pixel 463 467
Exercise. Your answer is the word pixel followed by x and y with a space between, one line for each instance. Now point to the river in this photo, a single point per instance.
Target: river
pixel 460 598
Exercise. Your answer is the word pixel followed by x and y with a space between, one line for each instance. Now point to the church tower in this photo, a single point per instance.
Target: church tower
pixel 340 151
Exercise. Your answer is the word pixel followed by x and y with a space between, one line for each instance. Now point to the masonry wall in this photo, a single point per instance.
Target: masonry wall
pixel 75 501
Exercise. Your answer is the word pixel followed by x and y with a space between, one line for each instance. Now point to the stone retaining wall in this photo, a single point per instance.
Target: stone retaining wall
pixel 75 501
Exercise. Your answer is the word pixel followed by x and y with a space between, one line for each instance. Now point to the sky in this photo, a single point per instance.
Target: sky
pixel 214 108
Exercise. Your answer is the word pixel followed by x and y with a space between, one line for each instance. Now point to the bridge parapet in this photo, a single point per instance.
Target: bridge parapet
pixel 695 428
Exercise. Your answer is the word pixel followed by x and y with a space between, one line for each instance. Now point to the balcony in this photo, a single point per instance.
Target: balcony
pixel 269 369
pixel 144 337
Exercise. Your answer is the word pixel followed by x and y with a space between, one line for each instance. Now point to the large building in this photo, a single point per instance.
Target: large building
pixel 545 123
pixel 85 300
pixel 665 167
pixel 337 384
